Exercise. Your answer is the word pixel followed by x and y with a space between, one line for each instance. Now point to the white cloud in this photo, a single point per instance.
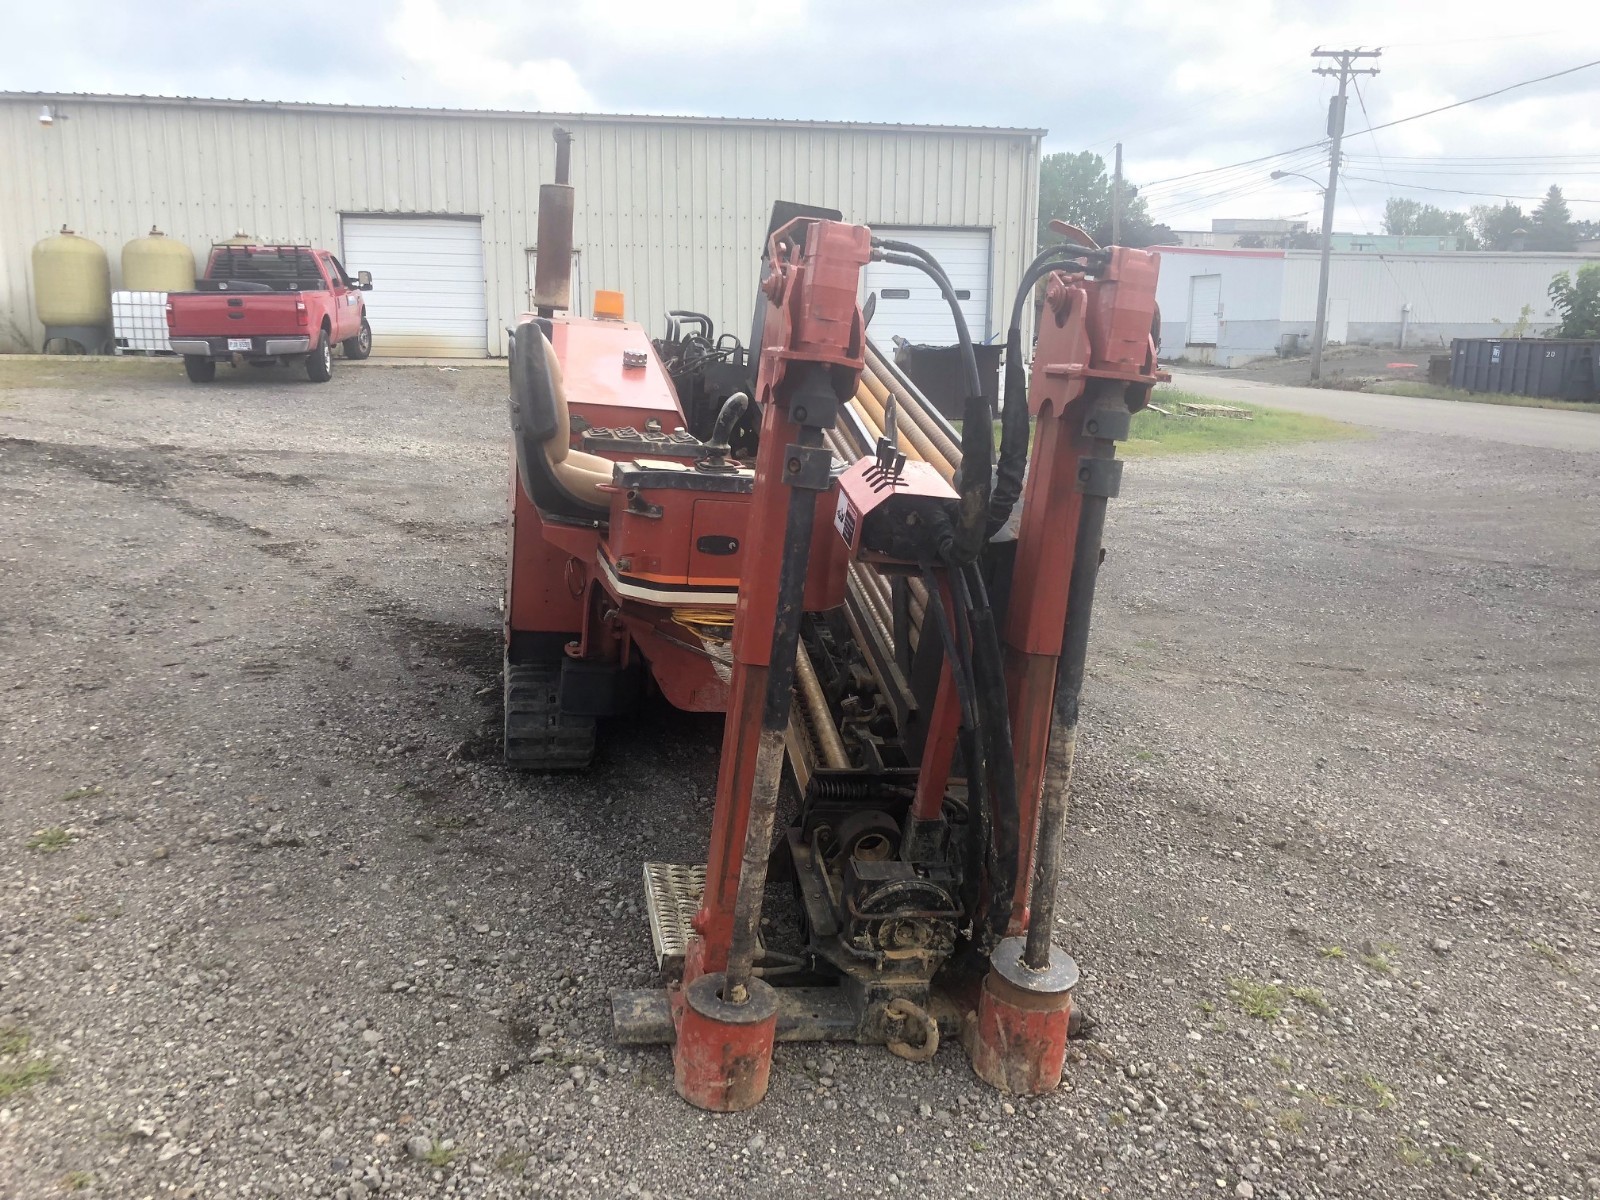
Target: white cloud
pixel 457 54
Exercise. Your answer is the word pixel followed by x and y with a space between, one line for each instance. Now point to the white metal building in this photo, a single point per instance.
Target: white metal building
pixel 1229 306
pixel 440 205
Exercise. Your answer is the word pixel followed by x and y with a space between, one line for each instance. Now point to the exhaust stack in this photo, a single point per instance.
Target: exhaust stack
pixel 552 270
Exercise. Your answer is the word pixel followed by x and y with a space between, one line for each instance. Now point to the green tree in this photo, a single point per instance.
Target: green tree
pixel 1402 216
pixel 1498 226
pixel 1551 229
pixel 1076 188
pixel 1578 302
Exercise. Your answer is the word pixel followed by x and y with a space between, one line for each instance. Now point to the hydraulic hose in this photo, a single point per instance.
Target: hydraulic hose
pixel 999 763
pixel 968 738
pixel 1012 467
pixel 991 766
pixel 977 436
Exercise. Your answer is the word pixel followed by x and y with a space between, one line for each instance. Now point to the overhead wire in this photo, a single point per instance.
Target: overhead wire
pixel 1264 158
pixel 1510 87
pixel 1419 187
pixel 1371 133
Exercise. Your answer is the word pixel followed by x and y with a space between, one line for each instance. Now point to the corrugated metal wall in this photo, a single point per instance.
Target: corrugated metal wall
pixel 671 212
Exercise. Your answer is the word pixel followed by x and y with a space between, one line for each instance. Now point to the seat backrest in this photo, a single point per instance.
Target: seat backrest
pixel 541 425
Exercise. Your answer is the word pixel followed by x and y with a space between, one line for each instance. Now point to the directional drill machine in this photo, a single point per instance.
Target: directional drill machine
pixel 787 532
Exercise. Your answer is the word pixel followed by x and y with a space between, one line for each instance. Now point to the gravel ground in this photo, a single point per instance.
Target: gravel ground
pixel 273 922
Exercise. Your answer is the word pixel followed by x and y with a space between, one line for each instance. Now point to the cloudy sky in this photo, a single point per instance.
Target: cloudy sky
pixel 1186 85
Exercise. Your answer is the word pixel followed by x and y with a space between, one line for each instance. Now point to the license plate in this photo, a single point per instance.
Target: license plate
pixel 239 344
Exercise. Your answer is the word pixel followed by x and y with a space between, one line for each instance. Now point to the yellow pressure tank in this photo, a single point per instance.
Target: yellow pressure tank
pixel 157 263
pixel 71 282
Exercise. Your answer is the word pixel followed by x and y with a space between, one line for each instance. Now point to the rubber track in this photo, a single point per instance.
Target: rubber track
pixel 538 736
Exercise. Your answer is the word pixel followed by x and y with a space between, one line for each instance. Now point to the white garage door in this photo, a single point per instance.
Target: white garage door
pixel 908 302
pixel 1205 310
pixel 428 296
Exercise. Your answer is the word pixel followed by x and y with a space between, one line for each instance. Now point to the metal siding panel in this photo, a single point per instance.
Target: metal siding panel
pixel 685 233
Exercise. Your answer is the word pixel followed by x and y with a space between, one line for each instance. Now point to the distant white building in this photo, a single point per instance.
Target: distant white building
pixel 1229 306
pixel 1226 232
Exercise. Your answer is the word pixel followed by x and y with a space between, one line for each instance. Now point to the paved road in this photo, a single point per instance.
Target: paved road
pixel 1553 429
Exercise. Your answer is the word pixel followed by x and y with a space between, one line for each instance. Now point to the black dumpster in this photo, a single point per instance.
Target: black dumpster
pixel 1555 368
pixel 936 370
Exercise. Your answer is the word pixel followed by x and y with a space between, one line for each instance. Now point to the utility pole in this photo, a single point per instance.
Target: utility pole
pixel 1346 68
pixel 1116 200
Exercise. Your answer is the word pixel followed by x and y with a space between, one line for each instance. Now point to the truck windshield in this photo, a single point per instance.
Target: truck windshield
pixel 282 268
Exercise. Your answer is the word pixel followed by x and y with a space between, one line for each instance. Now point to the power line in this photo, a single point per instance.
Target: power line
pixel 1418 187
pixel 1382 168
pixel 1246 163
pixel 1493 158
pixel 1510 87
pixel 1389 167
pixel 1386 125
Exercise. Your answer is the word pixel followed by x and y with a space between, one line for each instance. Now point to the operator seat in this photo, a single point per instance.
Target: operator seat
pixel 559 480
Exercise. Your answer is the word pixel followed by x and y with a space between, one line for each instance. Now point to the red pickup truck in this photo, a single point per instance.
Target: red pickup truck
pixel 269 304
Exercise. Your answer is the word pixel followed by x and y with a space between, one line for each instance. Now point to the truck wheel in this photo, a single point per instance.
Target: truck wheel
pixel 198 369
pixel 359 346
pixel 319 363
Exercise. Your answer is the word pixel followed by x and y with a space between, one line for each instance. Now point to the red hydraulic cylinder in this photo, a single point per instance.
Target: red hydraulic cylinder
pixel 811 357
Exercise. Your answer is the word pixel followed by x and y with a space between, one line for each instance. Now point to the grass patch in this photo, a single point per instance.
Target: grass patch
pixel 1332 952
pixel 1377 962
pixel 13 1040
pixel 1435 391
pixel 1382 1091
pixel 81 793
pixel 1154 434
pixel 1408 1152
pixel 76 1181
pixel 1291 1120
pixel 441 1157
pixel 1264 1001
pixel 1312 996
pixel 16 1078
pixel 48 841
pixel 511 1163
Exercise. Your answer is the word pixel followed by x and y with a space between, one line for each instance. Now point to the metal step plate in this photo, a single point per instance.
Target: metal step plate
pixel 672 894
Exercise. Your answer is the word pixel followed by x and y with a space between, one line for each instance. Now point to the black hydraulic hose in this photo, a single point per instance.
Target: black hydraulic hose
pixel 958 671
pixel 930 266
pixel 727 417
pixel 969 739
pixel 977 436
pixel 989 680
pixel 1012 466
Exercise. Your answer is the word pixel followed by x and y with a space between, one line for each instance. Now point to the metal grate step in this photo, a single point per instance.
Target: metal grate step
pixel 672 894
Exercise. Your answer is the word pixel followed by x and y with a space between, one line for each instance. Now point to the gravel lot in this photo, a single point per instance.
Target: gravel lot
pixel 273 922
